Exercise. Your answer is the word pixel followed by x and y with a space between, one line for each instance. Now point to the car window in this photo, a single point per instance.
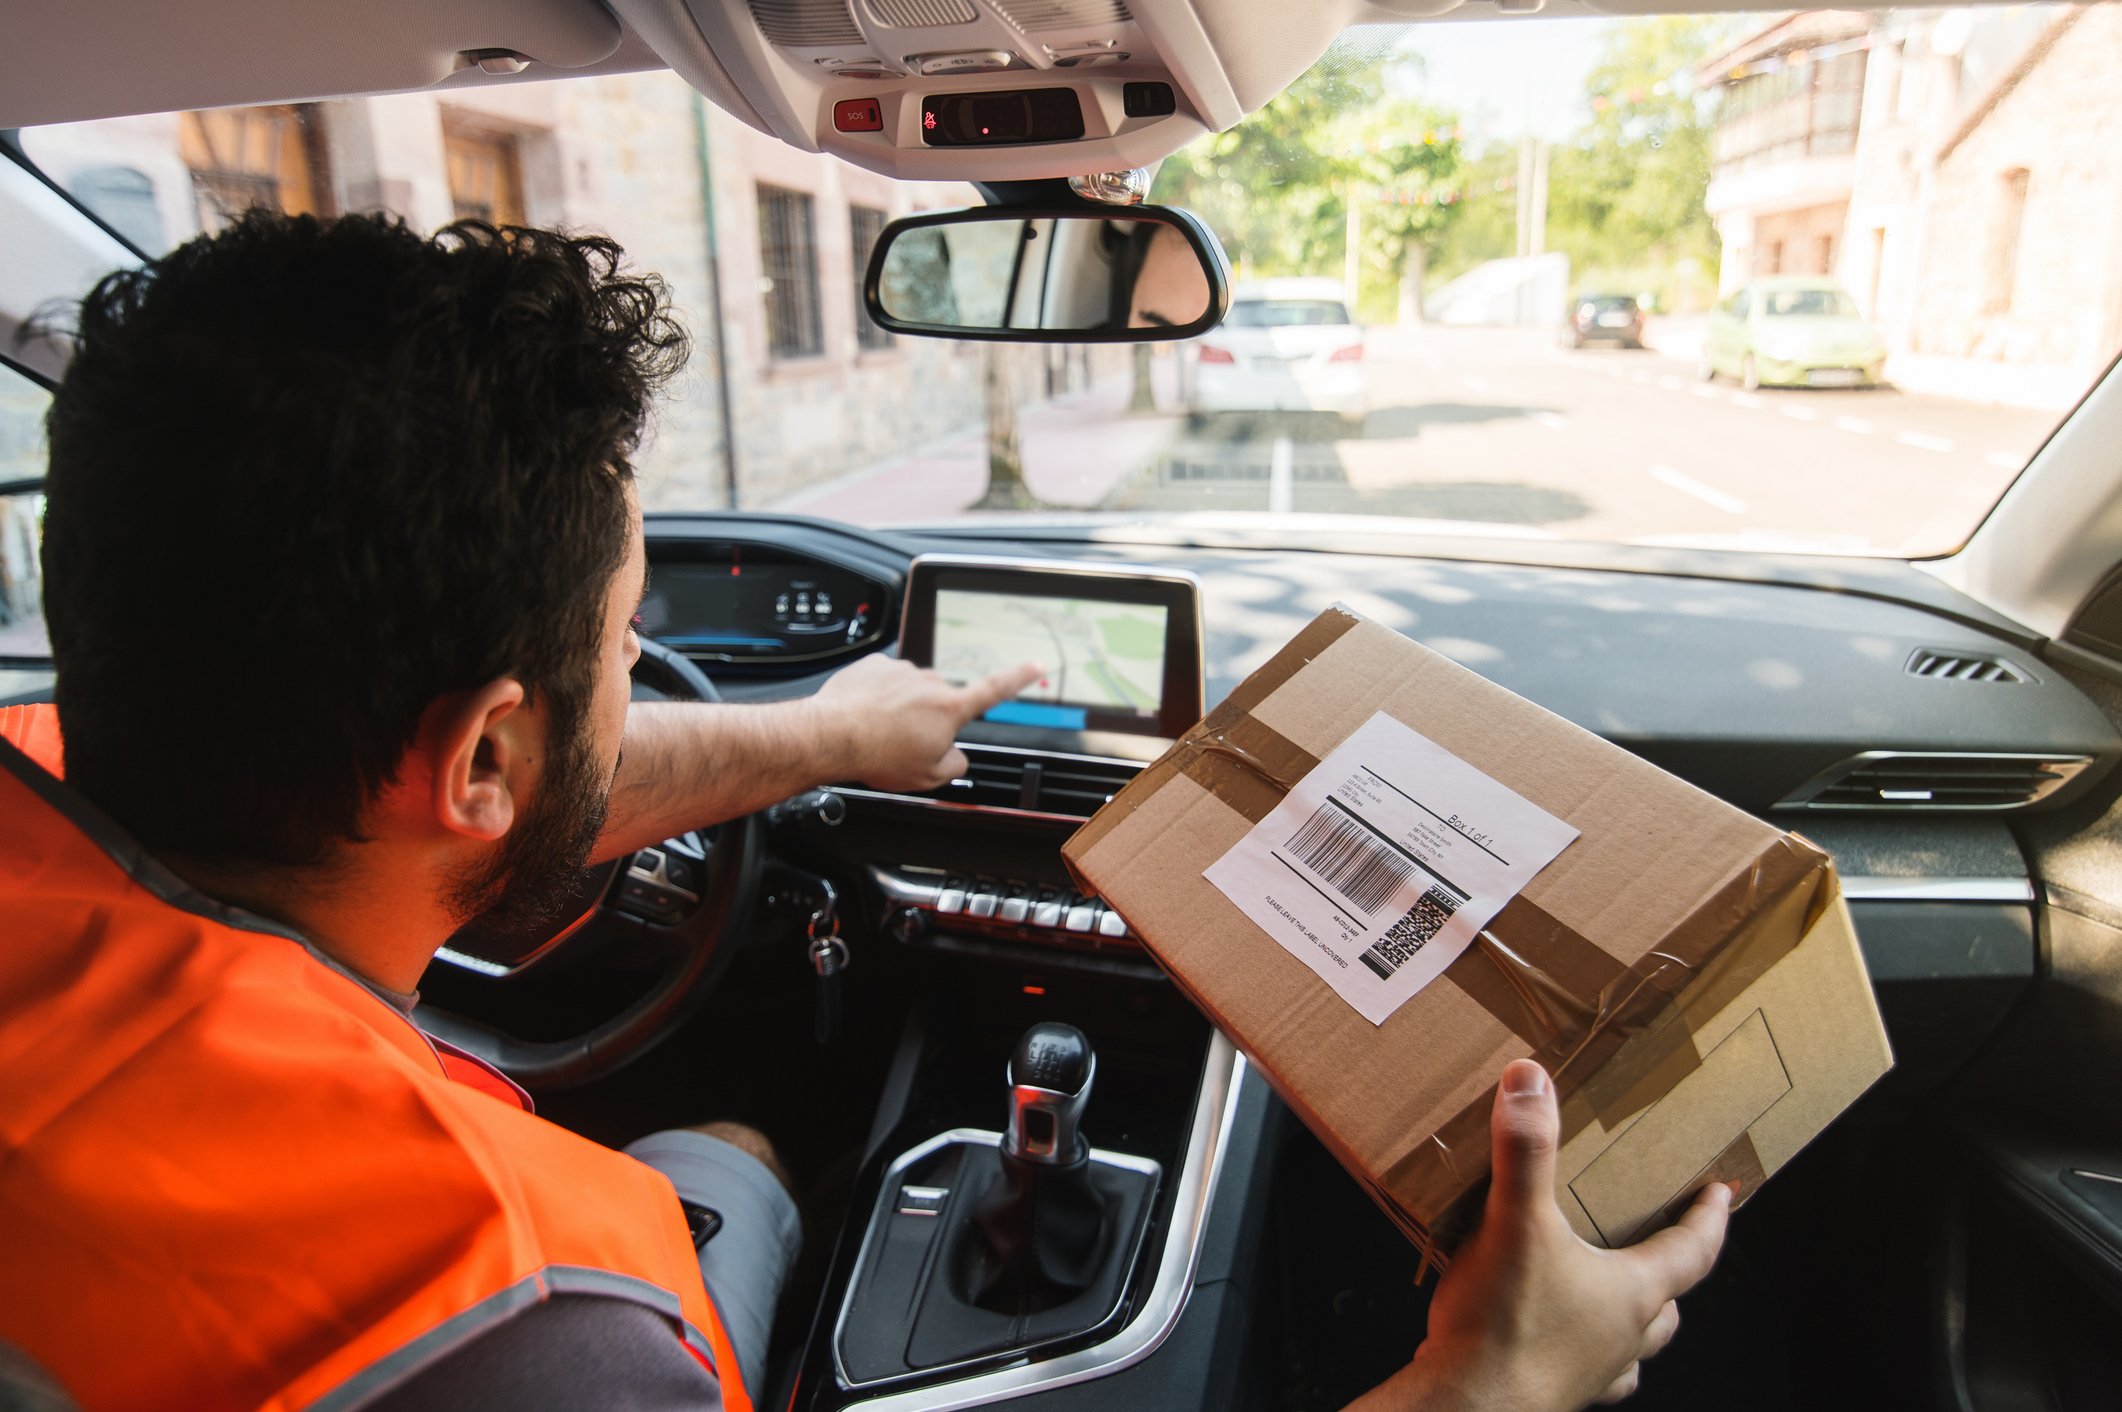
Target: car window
pixel 1936 180
pixel 1284 313
pixel 22 637
pixel 1808 304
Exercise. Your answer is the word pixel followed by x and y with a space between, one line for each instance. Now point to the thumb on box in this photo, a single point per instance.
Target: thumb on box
pixel 1524 1127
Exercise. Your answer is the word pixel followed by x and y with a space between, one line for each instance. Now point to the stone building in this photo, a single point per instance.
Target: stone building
pixel 762 247
pixel 2019 209
pixel 1959 171
pixel 1783 156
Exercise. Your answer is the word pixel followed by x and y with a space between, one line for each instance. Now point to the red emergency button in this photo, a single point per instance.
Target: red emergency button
pixel 858 115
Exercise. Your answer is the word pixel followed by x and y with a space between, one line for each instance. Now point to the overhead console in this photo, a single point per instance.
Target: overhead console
pixel 1041 88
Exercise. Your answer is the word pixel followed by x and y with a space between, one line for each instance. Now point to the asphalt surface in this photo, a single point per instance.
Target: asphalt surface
pixel 1506 427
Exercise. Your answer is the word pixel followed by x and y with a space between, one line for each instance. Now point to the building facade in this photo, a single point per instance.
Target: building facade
pixel 1959 171
pixel 762 247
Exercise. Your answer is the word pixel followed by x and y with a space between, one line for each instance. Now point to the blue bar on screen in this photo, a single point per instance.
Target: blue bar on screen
pixel 1038 713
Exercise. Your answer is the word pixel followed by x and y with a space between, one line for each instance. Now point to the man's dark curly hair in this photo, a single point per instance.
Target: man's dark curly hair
pixel 309 475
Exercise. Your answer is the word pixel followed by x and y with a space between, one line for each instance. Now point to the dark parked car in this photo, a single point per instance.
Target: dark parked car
pixel 1613 318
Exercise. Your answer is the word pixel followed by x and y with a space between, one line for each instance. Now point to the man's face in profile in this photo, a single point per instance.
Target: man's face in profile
pixel 536 866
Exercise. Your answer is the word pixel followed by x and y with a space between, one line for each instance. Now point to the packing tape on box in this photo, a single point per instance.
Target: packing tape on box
pixel 1615 1037
pixel 1639 1042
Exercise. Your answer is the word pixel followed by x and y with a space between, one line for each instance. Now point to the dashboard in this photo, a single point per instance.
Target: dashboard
pixel 1861 703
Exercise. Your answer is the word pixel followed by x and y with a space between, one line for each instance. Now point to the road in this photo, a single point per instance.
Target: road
pixel 1509 428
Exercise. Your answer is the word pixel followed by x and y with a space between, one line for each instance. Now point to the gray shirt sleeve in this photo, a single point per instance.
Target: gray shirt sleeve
pixel 568 1352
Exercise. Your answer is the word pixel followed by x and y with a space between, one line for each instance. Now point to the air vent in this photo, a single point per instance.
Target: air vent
pixel 1073 785
pixel 1942 665
pixel 1034 15
pixel 922 14
pixel 1886 779
pixel 806 24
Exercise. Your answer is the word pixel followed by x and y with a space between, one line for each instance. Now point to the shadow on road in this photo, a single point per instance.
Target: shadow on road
pixel 1382 424
pixel 1399 423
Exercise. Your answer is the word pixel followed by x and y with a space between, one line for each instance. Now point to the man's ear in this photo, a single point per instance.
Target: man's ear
pixel 480 742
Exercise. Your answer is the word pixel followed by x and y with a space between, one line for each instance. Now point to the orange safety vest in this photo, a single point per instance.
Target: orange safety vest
pixel 233 1177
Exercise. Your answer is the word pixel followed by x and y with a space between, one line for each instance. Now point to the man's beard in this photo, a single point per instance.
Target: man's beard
pixel 534 875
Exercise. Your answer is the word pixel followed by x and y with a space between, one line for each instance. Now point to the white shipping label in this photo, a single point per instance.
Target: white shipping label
pixel 1385 862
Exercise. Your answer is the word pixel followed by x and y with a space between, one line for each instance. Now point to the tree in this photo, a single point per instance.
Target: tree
pixel 1276 188
pixel 1006 489
pixel 1627 193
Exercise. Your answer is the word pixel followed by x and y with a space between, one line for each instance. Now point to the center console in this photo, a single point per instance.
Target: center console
pixel 1032 1209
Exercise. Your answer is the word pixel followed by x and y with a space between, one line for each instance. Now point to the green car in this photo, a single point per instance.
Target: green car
pixel 1792 332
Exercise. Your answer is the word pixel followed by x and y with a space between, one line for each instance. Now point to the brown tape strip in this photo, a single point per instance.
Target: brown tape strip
pixel 1247 765
pixel 1230 714
pixel 1536 1002
pixel 1739 1163
pixel 1642 1032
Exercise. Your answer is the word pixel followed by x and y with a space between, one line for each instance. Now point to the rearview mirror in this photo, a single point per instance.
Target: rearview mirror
pixel 1048 276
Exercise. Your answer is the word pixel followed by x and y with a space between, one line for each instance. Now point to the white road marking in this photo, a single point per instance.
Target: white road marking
pixel 1281 484
pixel 1800 414
pixel 1707 494
pixel 1923 441
pixel 1639 377
pixel 1670 383
pixel 1701 389
pixel 1550 420
pixel 1746 399
pixel 1475 384
pixel 2005 461
pixel 1855 424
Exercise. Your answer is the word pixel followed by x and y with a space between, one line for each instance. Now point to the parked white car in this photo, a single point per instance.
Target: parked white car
pixel 1288 345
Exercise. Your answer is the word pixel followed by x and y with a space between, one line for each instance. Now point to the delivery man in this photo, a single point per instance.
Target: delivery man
pixel 342 554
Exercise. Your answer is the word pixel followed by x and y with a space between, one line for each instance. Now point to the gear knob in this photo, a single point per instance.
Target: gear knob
pixel 1049 1076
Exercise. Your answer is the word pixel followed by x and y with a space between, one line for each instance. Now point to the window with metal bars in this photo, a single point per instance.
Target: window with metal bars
pixel 788 265
pixel 245 157
pixel 485 175
pixel 864 226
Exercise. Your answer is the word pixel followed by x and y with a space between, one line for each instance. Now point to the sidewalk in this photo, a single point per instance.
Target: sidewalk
pixel 1076 449
pixel 2038 387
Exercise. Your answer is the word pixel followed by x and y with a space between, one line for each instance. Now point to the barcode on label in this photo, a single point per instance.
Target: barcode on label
pixel 1344 853
pixel 1408 935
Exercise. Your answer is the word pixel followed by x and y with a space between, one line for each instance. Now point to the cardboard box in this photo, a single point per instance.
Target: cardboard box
pixel 1687 972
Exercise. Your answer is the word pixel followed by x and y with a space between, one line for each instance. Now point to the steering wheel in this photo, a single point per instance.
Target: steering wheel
pixel 725 874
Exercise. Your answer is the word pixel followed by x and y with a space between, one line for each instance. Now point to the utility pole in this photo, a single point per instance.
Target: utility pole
pixel 1352 257
pixel 1532 218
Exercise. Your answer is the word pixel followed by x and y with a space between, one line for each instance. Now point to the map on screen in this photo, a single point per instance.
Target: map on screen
pixel 1101 655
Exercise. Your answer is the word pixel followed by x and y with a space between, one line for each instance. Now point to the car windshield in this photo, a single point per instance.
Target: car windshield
pixel 1808 304
pixel 1938 180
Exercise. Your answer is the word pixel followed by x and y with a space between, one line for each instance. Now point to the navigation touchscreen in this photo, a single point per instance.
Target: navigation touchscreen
pixel 1121 648
pixel 1100 657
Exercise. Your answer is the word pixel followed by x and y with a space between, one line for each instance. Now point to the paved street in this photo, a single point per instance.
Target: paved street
pixel 1506 427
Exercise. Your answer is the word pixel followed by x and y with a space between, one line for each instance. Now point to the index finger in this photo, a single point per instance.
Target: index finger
pixel 1678 1257
pixel 982 696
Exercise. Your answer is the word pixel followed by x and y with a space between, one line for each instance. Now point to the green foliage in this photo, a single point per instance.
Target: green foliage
pixel 1625 193
pixel 1276 187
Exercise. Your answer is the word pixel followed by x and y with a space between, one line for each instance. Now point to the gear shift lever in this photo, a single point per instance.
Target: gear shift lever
pixel 990 1244
pixel 1050 1076
pixel 1042 1222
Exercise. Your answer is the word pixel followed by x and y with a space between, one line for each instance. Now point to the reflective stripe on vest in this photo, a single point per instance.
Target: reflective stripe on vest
pixel 233 1177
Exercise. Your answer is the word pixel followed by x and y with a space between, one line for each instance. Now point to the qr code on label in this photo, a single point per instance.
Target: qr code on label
pixel 1408 935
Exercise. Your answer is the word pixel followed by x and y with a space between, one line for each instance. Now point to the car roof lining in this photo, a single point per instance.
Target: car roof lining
pixel 107 58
